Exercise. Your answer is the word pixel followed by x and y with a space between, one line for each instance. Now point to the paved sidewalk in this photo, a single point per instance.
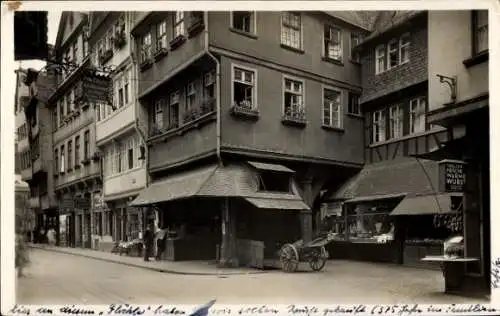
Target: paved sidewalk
pixel 179 267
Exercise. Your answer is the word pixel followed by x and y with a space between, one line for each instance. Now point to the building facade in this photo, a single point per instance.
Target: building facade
pixel 461 104
pixel 40 126
pixel 118 136
pixel 77 162
pixel 216 85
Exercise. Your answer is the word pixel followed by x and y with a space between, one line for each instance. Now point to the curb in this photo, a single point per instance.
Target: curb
pixel 145 267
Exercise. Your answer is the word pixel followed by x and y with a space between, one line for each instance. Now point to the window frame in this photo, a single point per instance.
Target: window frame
pixel 159 111
pixel 475 30
pixel 161 37
pixel 178 21
pixel 171 104
pixel 70 158
pixel 191 92
pixel 62 161
pixel 404 46
pixel 326 41
pixel 396 117
pixel 394 50
pixel 340 108
pixel 86 144
pixel 254 104
pixel 146 46
pixel 56 159
pixel 252 26
pixel 415 114
pixel 381 123
pixel 380 55
pixel 299 29
pixel 350 95
pixel 77 150
pixel 359 39
pixel 284 90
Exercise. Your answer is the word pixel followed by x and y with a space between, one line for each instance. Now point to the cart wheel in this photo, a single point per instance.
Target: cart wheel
pixel 289 258
pixel 318 259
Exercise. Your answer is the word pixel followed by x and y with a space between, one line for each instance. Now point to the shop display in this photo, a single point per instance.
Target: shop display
pixel 453 222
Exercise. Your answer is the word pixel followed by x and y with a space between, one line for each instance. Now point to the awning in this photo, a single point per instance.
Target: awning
pixel 378 197
pixel 269 167
pixel 426 205
pixel 274 203
pixel 182 185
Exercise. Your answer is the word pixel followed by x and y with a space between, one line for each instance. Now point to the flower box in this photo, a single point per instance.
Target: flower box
pixel 245 112
pixel 294 117
pixel 160 53
pixel 177 41
pixel 145 64
pixel 197 24
pixel 119 40
pixel 106 56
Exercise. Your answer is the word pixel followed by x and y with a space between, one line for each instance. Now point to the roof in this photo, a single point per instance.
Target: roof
pixel 20 185
pixel 408 175
pixel 425 205
pixel 270 167
pixel 389 20
pixel 237 180
pixel 361 19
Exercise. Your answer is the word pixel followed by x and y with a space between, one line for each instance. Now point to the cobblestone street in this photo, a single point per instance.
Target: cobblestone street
pixel 56 278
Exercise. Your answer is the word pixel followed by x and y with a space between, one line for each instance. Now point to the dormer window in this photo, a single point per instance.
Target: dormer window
pixel 271 181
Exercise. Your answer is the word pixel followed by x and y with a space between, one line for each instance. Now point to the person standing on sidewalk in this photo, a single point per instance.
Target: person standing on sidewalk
pixel 148 243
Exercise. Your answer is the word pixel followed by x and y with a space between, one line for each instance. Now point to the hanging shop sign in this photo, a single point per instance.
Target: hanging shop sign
pixel 96 87
pixel 97 200
pixel 82 203
pixel 66 205
pixel 452 175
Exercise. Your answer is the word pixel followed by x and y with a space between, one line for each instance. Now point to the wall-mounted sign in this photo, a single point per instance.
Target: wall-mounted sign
pixel 452 175
pixel 82 203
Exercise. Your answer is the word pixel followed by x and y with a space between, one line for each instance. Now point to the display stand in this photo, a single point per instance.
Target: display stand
pixel 453 271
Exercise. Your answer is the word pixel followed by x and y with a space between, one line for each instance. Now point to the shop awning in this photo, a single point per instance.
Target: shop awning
pixel 277 203
pixel 377 197
pixel 178 186
pixel 270 167
pixel 426 205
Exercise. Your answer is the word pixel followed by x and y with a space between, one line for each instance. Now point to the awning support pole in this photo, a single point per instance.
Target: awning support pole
pixel 228 258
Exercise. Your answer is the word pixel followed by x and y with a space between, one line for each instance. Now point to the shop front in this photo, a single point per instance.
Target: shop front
pixel 393 211
pixel 225 213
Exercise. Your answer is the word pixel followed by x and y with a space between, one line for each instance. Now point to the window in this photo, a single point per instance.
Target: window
pixel 417 115
pixel 85 46
pixel 393 54
pixel 333 43
pixel 61 112
pixel 404 48
pixel 67 100
pixel 480 31
pixel 70 153
pixel 77 150
pixel 74 50
pixel 98 112
pixel 243 21
pixel 126 85
pixel 119 83
pixel 209 86
pixel 56 160
pixel 178 23
pixel 395 121
pixel 108 40
pixel 291 29
pixel 332 108
pixel 244 87
pixel 355 41
pixel 158 118
pixel 353 106
pixel 63 169
pixel 146 47
pixel 119 155
pixel 293 97
pixel 161 35
pixel 274 181
pixel 190 95
pixel 174 110
pixel 130 153
pixel 54 118
pixel 378 128
pixel 379 59
pixel 86 145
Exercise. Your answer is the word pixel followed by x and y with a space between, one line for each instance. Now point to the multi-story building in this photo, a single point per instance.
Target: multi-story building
pixel 77 170
pixel 460 102
pixel 225 88
pixel 39 123
pixel 117 130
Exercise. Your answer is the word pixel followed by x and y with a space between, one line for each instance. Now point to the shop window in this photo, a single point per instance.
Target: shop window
pixel 274 182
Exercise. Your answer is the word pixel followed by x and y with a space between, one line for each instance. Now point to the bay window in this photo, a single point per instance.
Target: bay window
pixel 291 30
pixel 332 108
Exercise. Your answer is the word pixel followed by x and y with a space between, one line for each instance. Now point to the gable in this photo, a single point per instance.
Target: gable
pixel 68 23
